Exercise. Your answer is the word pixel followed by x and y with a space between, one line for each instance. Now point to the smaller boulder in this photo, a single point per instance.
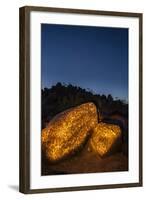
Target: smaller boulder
pixel 106 139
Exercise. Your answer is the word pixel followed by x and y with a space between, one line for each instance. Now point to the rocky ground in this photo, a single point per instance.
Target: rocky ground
pixel 86 161
pixel 74 141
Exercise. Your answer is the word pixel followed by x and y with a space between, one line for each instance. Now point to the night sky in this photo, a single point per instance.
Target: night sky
pixel 94 58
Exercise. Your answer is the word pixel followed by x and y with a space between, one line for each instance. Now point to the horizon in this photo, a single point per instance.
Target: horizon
pixel 87 90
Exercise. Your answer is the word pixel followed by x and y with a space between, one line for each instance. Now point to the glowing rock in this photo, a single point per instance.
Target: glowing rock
pixel 67 131
pixel 106 138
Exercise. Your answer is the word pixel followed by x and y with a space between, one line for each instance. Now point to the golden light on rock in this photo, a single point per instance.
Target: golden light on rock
pixel 67 131
pixel 105 138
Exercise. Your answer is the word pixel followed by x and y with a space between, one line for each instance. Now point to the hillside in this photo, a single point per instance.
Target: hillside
pixel 61 97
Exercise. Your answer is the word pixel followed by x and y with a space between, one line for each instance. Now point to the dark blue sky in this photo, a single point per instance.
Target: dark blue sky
pixel 85 56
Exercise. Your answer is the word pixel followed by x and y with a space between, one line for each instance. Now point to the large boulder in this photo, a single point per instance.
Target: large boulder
pixel 68 131
pixel 106 139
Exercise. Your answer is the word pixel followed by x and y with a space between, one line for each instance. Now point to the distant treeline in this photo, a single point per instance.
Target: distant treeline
pixel 62 96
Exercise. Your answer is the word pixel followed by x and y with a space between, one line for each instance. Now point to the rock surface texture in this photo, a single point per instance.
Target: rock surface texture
pixel 106 138
pixel 68 131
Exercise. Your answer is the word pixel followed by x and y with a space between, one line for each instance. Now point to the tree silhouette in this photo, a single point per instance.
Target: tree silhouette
pixel 62 96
